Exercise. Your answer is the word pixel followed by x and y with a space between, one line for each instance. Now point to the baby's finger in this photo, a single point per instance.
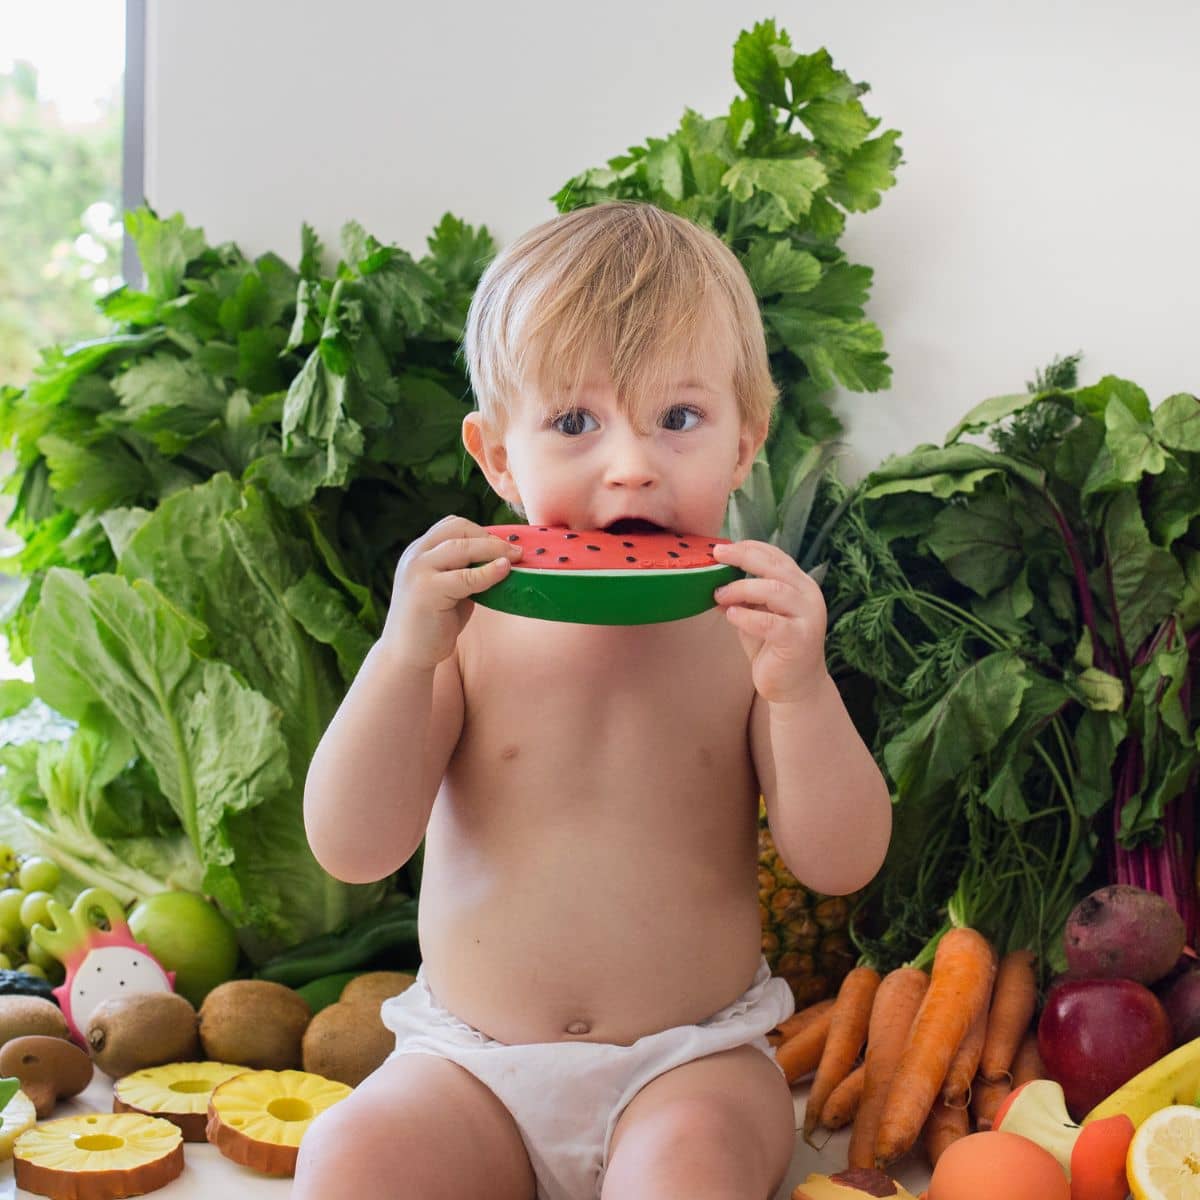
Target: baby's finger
pixel 772 595
pixel 456 553
pixel 758 558
pixel 458 585
pixel 756 621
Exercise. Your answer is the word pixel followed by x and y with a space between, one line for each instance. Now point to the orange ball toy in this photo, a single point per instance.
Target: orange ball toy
pixel 997 1166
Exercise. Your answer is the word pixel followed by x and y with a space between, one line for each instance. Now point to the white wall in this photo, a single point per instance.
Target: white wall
pixel 1048 201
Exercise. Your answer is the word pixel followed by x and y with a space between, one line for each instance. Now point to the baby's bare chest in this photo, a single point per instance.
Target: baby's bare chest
pixel 624 715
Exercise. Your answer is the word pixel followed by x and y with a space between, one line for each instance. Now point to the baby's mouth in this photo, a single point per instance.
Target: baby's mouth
pixel 632 525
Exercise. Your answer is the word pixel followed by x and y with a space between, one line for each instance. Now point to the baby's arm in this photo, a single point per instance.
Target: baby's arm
pixel 374 776
pixel 828 805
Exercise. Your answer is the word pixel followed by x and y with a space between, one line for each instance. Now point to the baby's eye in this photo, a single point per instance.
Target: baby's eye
pixel 571 422
pixel 680 413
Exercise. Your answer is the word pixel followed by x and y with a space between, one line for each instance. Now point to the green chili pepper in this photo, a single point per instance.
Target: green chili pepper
pixel 321 993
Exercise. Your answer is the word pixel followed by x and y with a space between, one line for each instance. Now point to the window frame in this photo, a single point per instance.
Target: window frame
pixel 133 153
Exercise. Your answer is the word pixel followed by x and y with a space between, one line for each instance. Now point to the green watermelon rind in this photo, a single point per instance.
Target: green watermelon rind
pixel 645 596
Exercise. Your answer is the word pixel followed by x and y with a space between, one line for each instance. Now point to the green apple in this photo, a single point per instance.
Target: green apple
pixel 188 936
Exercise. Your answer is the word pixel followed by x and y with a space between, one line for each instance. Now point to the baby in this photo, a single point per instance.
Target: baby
pixel 589 1016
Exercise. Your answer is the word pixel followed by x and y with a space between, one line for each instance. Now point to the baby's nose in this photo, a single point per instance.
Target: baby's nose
pixel 631 464
pixel 631 475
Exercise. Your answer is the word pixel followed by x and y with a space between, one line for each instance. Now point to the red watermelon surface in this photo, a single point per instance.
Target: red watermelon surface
pixel 600 578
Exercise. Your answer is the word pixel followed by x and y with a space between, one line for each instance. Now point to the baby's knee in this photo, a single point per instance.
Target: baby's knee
pixel 419 1128
pixel 349 1150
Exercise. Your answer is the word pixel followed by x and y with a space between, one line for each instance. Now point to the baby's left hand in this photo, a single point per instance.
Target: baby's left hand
pixel 780 617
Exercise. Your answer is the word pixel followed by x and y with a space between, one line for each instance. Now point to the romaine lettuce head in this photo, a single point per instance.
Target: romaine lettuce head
pixel 191 658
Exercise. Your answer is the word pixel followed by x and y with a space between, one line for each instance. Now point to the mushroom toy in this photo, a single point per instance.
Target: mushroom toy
pixel 50 1069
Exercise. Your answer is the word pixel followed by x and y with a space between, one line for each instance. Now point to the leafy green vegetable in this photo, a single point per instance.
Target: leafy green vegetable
pixel 1030 617
pixel 778 195
pixel 223 714
pixel 211 503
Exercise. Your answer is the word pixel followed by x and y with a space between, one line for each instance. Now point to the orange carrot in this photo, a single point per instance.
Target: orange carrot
pixel 798 1020
pixel 1027 1063
pixel 956 1091
pixel 838 1111
pixel 959 985
pixel 799 1055
pixel 946 1123
pixel 896 1004
pixel 986 1098
pixel 847 1032
pixel 1013 1001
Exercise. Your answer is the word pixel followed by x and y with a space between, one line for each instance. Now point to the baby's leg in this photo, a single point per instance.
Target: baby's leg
pixel 720 1126
pixel 418 1127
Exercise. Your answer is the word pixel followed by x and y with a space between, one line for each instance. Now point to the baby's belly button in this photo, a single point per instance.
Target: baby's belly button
pixel 578 1027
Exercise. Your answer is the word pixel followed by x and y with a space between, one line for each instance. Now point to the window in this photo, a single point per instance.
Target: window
pixel 61 115
pixel 70 161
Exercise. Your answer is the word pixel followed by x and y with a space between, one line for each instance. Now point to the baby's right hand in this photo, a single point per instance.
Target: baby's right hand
pixel 435 578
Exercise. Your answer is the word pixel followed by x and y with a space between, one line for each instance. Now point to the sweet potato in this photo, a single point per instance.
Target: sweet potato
pixel 1124 932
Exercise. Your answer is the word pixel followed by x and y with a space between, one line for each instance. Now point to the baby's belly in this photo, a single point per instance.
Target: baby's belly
pixel 554 944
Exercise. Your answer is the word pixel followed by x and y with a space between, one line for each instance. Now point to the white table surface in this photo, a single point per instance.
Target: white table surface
pixel 208 1173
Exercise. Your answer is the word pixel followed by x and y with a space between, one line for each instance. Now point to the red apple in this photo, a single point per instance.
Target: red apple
pixel 1096 1034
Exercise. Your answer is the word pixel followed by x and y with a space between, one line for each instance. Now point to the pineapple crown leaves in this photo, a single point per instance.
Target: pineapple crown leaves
pixel 761 511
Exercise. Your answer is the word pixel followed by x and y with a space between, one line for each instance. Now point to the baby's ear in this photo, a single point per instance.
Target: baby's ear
pixel 750 442
pixel 487 449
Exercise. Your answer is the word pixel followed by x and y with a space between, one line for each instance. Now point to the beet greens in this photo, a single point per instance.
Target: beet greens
pixel 1028 614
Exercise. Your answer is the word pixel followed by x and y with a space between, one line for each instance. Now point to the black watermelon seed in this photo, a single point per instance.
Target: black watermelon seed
pixel 563 558
pixel 630 558
pixel 569 536
pixel 627 545
pixel 540 550
pixel 514 537
pixel 672 554
pixel 686 545
pixel 593 547
pixel 543 529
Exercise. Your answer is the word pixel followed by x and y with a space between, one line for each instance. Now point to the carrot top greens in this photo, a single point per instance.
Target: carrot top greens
pixel 1029 615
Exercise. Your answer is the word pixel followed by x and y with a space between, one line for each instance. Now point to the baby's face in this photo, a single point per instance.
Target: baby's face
pixel 586 466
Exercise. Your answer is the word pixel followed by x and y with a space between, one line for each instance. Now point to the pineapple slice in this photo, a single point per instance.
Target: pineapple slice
pixel 16 1117
pixel 178 1092
pixel 258 1118
pixel 101 1156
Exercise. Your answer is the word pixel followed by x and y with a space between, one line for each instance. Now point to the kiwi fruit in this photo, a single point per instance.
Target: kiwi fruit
pixel 346 1042
pixel 24 1016
pixel 144 1029
pixel 374 987
pixel 254 1023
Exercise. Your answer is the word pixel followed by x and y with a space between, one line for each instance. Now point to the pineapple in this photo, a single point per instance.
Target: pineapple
pixel 805 936
pixel 98 1157
pixel 178 1093
pixel 258 1118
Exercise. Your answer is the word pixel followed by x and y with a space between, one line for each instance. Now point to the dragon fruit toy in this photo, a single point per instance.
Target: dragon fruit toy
pixel 100 963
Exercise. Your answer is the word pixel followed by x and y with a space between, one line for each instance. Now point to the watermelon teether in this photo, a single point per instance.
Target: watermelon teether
pixel 597 578
pixel 100 963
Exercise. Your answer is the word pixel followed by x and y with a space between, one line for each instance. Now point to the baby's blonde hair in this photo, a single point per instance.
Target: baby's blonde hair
pixel 622 278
